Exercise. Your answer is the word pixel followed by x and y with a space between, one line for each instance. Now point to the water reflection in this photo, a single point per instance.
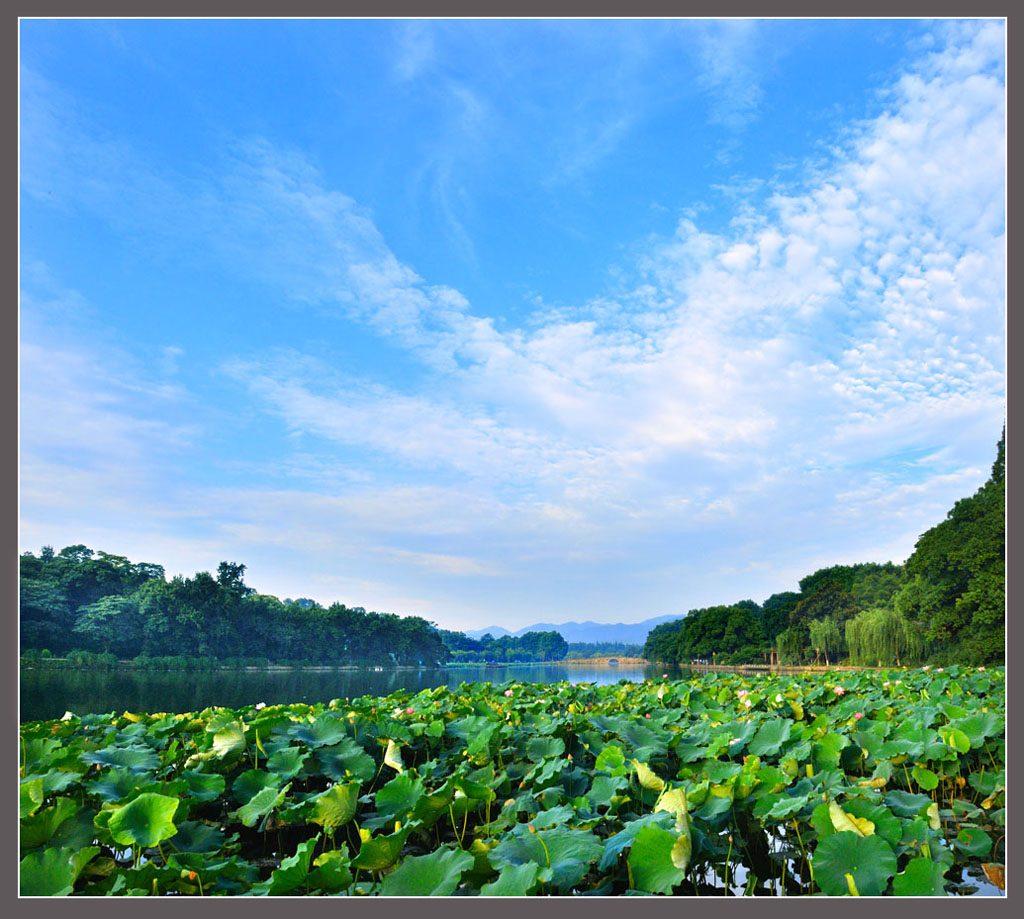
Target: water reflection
pixel 50 693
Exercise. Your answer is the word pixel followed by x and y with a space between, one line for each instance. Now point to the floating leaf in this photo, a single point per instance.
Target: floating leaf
pixel 922 878
pixel 870 860
pixel 973 840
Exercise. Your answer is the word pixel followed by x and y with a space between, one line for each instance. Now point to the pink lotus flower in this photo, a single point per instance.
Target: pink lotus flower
pixel 927 667
pixel 939 670
pixel 664 676
pixel 859 715
pixel 885 685
pixel 747 703
pixel 648 715
pixel 509 692
pixel 839 691
pixel 981 668
pixel 409 711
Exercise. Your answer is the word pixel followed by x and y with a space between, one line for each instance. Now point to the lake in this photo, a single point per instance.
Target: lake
pixel 50 693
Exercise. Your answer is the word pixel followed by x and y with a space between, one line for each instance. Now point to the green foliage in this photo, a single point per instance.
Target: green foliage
pixel 646 805
pixel 82 603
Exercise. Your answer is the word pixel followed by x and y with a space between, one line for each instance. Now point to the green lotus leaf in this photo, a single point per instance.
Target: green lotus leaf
pixel 196 836
pixel 978 726
pixel 513 881
pixel 906 804
pixel 433 875
pixel 433 804
pixel 925 778
pixel 973 840
pixel 540 748
pixel 567 852
pixel 604 788
pixel 715 806
pixel 230 739
pixel 260 805
pixel 145 821
pixel 326 730
pixel 827 750
pixel 40 827
pixel 336 806
pixel 922 878
pixel 650 860
pixel 252 782
pixel 292 873
pixel 31 796
pixel 287 762
pixel 53 871
pixel 58 780
pixel 612 760
pixel 788 806
pixel 204 786
pixel 614 845
pixel 770 737
pixel 331 870
pixel 956 739
pixel 137 760
pixel 346 760
pixel 379 852
pixel 870 861
pixel 886 825
pixel 396 800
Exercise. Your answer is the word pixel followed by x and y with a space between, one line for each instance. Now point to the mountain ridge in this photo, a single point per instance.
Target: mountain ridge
pixel 586 631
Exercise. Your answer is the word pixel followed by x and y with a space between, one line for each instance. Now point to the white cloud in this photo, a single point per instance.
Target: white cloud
pixel 738 400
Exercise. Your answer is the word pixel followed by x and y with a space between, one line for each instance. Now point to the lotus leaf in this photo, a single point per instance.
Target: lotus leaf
pixel 145 821
pixel 294 872
pixel 973 841
pixel 513 881
pixel 433 875
pixel 261 804
pixel 53 871
pixel 922 878
pixel 651 864
pixel 870 861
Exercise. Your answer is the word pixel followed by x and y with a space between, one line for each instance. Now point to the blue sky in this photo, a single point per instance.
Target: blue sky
pixel 499 322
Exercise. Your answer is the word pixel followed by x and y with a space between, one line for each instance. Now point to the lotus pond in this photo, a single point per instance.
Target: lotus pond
pixel 868 783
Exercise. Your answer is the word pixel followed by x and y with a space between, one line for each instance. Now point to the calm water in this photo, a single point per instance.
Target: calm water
pixel 50 693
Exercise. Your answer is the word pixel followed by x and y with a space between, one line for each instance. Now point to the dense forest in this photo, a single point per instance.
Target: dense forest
pixel 533 646
pixel 946 603
pixel 78 599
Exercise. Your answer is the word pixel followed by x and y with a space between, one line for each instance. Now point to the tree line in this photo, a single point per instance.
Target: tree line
pixel 97 608
pixel 531 646
pixel 78 599
pixel 946 603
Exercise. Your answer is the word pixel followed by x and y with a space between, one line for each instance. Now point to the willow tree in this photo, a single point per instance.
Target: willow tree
pixel 825 637
pixel 883 636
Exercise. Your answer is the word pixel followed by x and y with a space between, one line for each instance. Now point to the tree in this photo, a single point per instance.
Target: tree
pixel 775 613
pixel 956 576
pixel 825 638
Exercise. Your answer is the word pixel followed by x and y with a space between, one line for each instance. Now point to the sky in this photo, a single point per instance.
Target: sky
pixel 500 322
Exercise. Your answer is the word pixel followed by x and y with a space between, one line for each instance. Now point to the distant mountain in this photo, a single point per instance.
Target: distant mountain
pixel 627 632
